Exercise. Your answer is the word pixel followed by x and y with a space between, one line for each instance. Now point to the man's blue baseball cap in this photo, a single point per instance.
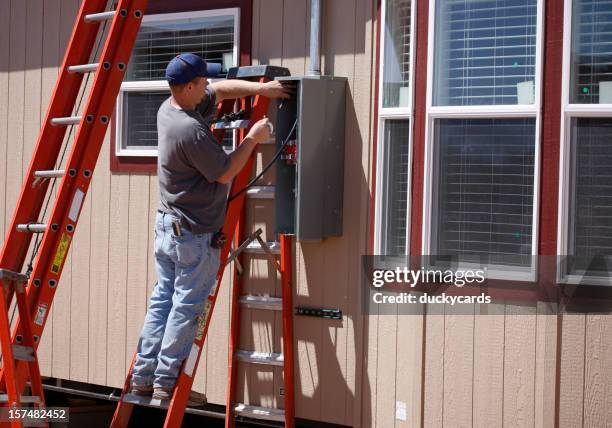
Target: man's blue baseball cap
pixel 185 67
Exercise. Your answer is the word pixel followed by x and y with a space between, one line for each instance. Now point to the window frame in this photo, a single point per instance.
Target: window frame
pixel 162 85
pixel 570 111
pixel 385 114
pixel 434 113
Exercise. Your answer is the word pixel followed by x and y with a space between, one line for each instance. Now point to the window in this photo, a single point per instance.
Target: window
pixel 482 132
pixel 211 34
pixel 585 216
pixel 394 114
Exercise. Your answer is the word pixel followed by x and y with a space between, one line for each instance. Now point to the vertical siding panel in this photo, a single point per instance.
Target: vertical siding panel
pixel 16 90
pixel 458 365
pixel 409 361
pixel 136 287
pixel 598 371
pixel 33 74
pixel 434 370
pixel 61 301
pixel 519 366
pixel 5 47
pixel 51 54
pixel 268 35
pixel 571 382
pixel 295 36
pixel 79 298
pixel 99 268
pixel 117 279
pixel 339 30
pixel 214 373
pixel 385 372
pixel 546 365
pixel 369 395
pixel 488 365
pixel 153 206
pixel 361 102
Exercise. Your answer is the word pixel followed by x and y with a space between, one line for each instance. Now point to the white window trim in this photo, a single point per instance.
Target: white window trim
pixel 162 85
pixel 388 113
pixel 485 112
pixel 568 112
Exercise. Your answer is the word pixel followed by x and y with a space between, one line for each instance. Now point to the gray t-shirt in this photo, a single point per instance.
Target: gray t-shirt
pixel 189 162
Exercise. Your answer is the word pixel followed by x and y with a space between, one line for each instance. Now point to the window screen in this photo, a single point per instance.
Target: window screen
pixel 591 52
pixel 485 52
pixel 396 63
pixel 395 187
pixel 485 189
pixel 591 193
pixel 157 43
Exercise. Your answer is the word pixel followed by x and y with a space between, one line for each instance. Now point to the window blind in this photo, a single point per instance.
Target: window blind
pixel 140 108
pixel 485 189
pixel 591 51
pixel 591 217
pixel 158 42
pixel 485 52
pixel 395 187
pixel 396 63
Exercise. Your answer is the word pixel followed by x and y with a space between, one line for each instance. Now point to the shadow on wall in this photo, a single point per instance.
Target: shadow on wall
pixel 331 279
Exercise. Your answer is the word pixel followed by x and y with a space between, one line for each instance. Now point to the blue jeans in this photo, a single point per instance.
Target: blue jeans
pixel 186 271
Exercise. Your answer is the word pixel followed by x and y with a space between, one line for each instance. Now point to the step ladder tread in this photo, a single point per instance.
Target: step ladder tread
pixel 4 398
pixel 23 353
pixel 9 275
pixel 93 17
pixel 260 192
pixel 50 173
pixel 261 302
pixel 83 68
pixel 149 401
pixel 232 124
pixel 258 412
pixel 68 120
pixel 255 248
pixel 256 357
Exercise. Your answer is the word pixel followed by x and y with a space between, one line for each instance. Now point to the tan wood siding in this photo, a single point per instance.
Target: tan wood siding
pixel 500 369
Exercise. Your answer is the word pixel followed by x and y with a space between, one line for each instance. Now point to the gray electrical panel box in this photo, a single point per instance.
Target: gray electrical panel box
pixel 310 172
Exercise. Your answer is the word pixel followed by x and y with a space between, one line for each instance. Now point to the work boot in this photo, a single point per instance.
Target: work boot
pixel 195 399
pixel 142 390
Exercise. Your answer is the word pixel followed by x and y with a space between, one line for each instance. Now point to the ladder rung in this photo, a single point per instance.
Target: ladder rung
pixel 53 173
pixel 9 275
pixel 261 192
pixel 70 120
pixel 257 412
pixel 253 357
pixel 261 302
pixel 85 68
pixel 255 248
pixel 234 124
pixel 32 227
pixel 96 17
pixel 23 353
pixel 23 399
pixel 145 401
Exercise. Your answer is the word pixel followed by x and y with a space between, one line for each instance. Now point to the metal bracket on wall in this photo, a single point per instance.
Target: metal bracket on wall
pixel 334 314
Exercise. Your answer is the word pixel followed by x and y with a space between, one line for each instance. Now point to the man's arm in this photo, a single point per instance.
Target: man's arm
pixel 236 88
pixel 260 131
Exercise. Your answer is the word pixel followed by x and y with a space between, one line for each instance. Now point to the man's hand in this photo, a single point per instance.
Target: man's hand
pixel 275 89
pixel 261 131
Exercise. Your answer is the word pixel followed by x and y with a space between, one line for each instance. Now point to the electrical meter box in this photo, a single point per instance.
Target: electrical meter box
pixel 310 172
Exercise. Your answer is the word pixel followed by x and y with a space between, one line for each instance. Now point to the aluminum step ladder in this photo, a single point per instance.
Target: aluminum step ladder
pixel 254 109
pixel 34 300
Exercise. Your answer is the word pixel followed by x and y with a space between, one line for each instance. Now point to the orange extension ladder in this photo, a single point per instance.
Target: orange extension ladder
pixel 254 109
pixel 36 289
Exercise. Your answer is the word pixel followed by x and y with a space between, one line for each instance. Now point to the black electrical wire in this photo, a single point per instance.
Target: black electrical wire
pixel 267 167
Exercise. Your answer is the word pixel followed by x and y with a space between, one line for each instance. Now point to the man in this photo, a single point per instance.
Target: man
pixel 194 173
